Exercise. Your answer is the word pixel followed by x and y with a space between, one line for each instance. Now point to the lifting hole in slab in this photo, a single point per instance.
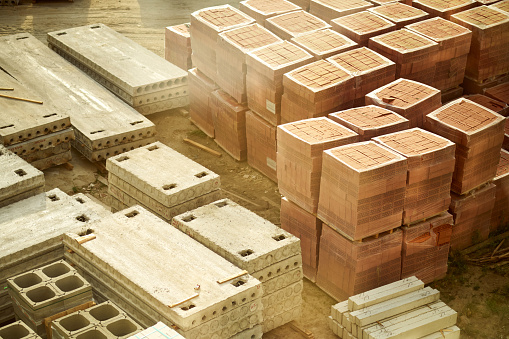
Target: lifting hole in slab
pixel 152 148
pixel 132 214
pixel 74 322
pixel 92 334
pixel 177 81
pixel 136 123
pixel 20 172
pixel 121 327
pixel 161 85
pixel 238 283
pixel 49 115
pixel 246 253
pixel 94 27
pixel 104 312
pixel 122 159
pixel 56 270
pixel 62 33
pixel 187 308
pixel 15 331
pixel 21 38
pixel 7 126
pixel 224 309
pixel 69 283
pixel 27 280
pixel 82 218
pixel 188 218
pixel 279 237
pixel 40 294
pixel 222 204
pixel 53 197
pixel 169 83
pixel 81 201
pixel 169 187
pixel 99 131
pixel 201 175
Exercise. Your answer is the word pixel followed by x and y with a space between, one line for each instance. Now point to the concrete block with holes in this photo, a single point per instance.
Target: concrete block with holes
pixel 19 330
pixel 266 251
pixel 161 179
pixel 199 292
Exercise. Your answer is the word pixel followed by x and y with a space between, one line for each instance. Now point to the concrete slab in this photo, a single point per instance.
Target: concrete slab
pixel 158 331
pixel 54 160
pixel 25 148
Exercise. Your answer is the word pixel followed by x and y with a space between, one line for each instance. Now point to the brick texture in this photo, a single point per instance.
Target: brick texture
pixel 332 9
pixel 443 8
pixel 261 10
pixel 261 145
pixel 400 14
pixel 500 213
pixel 324 43
pixel 290 25
pixel 361 26
pixel 177 46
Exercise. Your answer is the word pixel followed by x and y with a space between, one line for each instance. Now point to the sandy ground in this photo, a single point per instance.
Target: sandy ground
pixel 480 295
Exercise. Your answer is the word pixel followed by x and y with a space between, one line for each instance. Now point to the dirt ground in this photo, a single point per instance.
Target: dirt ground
pixel 480 295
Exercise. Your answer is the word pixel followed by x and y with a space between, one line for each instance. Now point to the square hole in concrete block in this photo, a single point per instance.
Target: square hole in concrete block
pixel 20 172
pixel 53 197
pixel 201 174
pixel 169 187
pixel 27 280
pixel 124 158
pixel 246 253
pixel 40 294
pixel 69 283
pixel 82 218
pixel 222 204
pixel 74 322
pixel 104 312
pixel 132 214
pixel 152 148
pixel 14 331
pixel 55 270
pixel 92 334
pixel 122 327
pixel 279 237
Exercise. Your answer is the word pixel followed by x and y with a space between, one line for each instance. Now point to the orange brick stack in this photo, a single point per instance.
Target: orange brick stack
pixel 370 69
pixel 261 145
pixel 206 24
pixel 425 248
pixel 299 157
pixel 328 10
pixel 501 5
pixel 304 4
pixel 347 268
pixel 478 133
pixel 385 2
pixel 489 52
pixel 414 55
pixel 264 79
pixel 408 98
pixel 500 214
pixel 472 216
pixel 232 47
pixel 453 47
pixel 200 96
pixel 293 24
pixel 261 10
pixel 443 8
pixel 499 92
pixel 362 190
pixel 361 26
pixel 230 124
pixel 497 106
pixel 431 162
pixel 400 14
pixel 370 121
pixel 505 145
pixel 177 46
pixel 324 43
pixel 315 90
pixel 308 228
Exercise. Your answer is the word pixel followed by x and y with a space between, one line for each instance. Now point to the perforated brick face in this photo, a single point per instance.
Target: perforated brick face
pixel 318 130
pixel 270 6
pixel 466 116
pixel 182 29
pixel 444 4
pixel 320 74
pixel 363 156
pixel 503 165
pixel 397 11
pixel 345 4
pixel 405 93
pixel 404 40
pixel 439 29
pixel 502 5
pixel 359 60
pixel 481 16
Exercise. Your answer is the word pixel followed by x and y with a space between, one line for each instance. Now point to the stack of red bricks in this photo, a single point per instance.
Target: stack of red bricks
pixel 261 145
pixel 304 4
pixel 324 43
pixel 496 106
pixel 370 70
pixel 500 214
pixel 328 10
pixel 410 99
pixel 444 8
pixel 293 24
pixel 361 26
pixel 400 14
pixel 414 55
pixel 315 90
pixel 501 5
pixel 370 121
pixel 261 10
pixel 177 46
pixel 200 96
pixel 499 92
pixel 505 145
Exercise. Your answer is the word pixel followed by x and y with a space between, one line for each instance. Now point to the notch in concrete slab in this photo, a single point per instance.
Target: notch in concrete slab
pixel 62 33
pixel 132 214
pixel 27 280
pixel 81 201
pixel 22 37
pixel 124 158
pixel 279 237
pixel 94 27
pixel 188 218
pixel 222 204
pixel 136 123
pixel 82 218
pixel 201 174
pixel 152 148
pixel 7 126
pixel 169 187
pixel 98 131
pixel 49 115
pixel 20 172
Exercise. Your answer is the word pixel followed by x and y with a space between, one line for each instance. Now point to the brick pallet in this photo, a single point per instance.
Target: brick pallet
pixel 361 26
pixel 200 101
pixel 252 243
pixel 399 13
pixel 332 9
pixel 324 43
pixel 369 69
pixel 261 10
pixel 264 79
pixel 500 213
pixel 314 90
pixel 499 92
pixel 478 134
pixel 261 145
pixel 443 8
pixel 177 46
pixel 362 189
pixel 293 24
pixel 414 55
pixel 496 106
pixel 410 99
pixel 300 147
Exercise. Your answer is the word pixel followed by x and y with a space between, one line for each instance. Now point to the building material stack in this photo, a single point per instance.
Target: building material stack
pixel 316 89
pixel 293 24
pixel 499 92
pixel 158 331
pixel 328 10
pixel 501 5
pixel 370 70
pixel 497 106
pixel 453 47
pixel 265 251
pixel 161 180
pixel 18 329
pixel 370 121
pixel 500 213
pixel 200 101
pixel 261 10
pixel 177 46
pixel 443 8
pixel 200 287
pixel 361 26
pixel 103 124
pixel 410 99
pixel 138 76
pixel 505 145
pixel 46 291
pixel 414 55
pixel 261 145
pixel 488 60
pixel 324 43
pixel 304 4
pixel 402 309
pixel 400 13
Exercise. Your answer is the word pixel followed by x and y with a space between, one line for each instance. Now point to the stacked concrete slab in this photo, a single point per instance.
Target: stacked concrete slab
pixel 316 89
pixel 400 14
pixel 197 292
pixel 157 331
pixel 232 47
pixel 46 291
pixel 404 309
pixel 206 24
pixel 18 179
pixel 431 161
pixel 261 145
pixel 300 146
pixel 443 8
pixel 103 124
pixel 177 46
pixel 19 330
pixel 268 253
pixel 200 97
pixel 361 26
pixel 293 24
pixel 324 43
pixel 414 54
pixel 261 10
pixel 410 99
pixel 264 79
pixel 332 9
pixel 370 121
pixel 478 133
pixel 500 213
pixel 496 106
pixel 161 180
pixel 370 70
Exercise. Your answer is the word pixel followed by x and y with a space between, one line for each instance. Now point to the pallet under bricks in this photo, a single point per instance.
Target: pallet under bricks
pixel 500 213
pixel 328 10
pixel 324 43
pixel 268 253
pixel 361 26
pixel 400 14
pixel 264 79
pixel 18 329
pixel 261 10
pixel 478 133
pixel 496 106
pixel 443 8
pixel 205 296
pixel 261 145
pixel 300 146
pixel 177 46
pixel 293 24
pixel 370 121
pixel 200 97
